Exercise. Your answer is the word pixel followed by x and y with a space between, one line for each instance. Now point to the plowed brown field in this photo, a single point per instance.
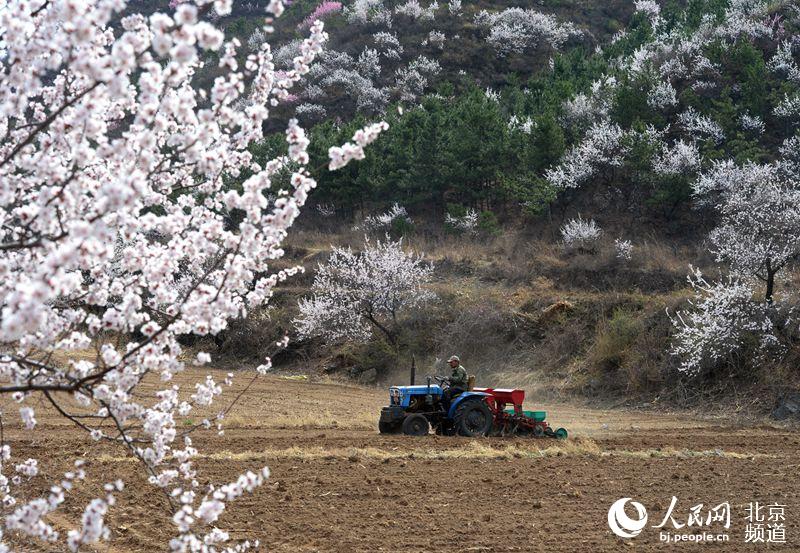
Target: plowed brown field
pixel 337 485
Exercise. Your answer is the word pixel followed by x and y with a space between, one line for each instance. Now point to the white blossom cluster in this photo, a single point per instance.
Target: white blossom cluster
pixel 259 37
pixel 411 81
pixel 651 9
pixel 515 30
pixel 283 58
pixel 326 210
pixel 384 221
pixel 662 95
pixel 758 237
pixel 759 229
pixel 28 517
pixel 388 45
pixel 716 326
pixel 602 147
pixel 746 19
pixel 368 63
pixel 93 526
pixel 362 79
pixel 697 123
pixel 783 62
pixel 672 58
pixel 674 54
pixel 356 293
pixel 492 95
pixel 114 220
pixel 435 38
pixel 585 109
pixel 680 158
pixel 789 164
pixel 413 9
pixel 467 223
pixel 311 112
pixel 623 249
pixel 522 124
pixel 368 11
pixel 338 71
pixel 789 107
pixel 752 123
pixel 581 234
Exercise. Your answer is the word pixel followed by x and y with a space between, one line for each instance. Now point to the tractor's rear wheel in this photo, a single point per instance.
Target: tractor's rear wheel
pixel 473 418
pixel 416 425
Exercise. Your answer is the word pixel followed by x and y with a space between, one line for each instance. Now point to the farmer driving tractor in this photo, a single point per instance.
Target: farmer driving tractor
pixel 453 406
pixel 458 380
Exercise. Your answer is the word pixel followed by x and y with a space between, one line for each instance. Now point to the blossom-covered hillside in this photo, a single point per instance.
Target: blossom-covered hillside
pixel 676 122
pixel 603 131
pixel 384 51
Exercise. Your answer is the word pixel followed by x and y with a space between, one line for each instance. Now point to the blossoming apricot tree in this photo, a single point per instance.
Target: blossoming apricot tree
pixel 354 293
pixel 116 233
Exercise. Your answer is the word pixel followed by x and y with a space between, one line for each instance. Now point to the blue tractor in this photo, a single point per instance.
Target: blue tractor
pixel 414 410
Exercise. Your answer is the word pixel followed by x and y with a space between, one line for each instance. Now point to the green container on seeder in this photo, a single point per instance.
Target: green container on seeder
pixel 537 416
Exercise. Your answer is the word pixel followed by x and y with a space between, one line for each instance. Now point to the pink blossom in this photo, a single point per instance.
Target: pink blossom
pixel 321 12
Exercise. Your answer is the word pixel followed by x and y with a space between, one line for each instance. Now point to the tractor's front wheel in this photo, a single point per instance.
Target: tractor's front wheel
pixel 388 427
pixel 416 425
pixel 473 418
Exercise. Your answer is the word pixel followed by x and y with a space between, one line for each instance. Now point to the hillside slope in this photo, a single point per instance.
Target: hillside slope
pixel 671 144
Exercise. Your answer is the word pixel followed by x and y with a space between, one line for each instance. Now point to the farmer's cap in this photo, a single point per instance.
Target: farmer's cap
pixel 454 358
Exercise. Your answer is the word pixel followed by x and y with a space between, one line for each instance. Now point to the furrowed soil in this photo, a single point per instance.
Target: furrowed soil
pixel 337 485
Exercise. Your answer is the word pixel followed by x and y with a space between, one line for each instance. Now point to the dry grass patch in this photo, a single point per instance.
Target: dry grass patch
pixel 472 450
pixel 366 420
pixel 670 452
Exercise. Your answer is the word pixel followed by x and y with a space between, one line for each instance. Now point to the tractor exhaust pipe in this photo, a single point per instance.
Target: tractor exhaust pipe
pixel 413 370
pixel 428 396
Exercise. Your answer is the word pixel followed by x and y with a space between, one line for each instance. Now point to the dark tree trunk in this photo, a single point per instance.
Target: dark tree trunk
pixel 770 287
pixel 770 282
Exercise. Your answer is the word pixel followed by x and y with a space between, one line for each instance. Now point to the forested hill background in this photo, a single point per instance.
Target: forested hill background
pixel 608 191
